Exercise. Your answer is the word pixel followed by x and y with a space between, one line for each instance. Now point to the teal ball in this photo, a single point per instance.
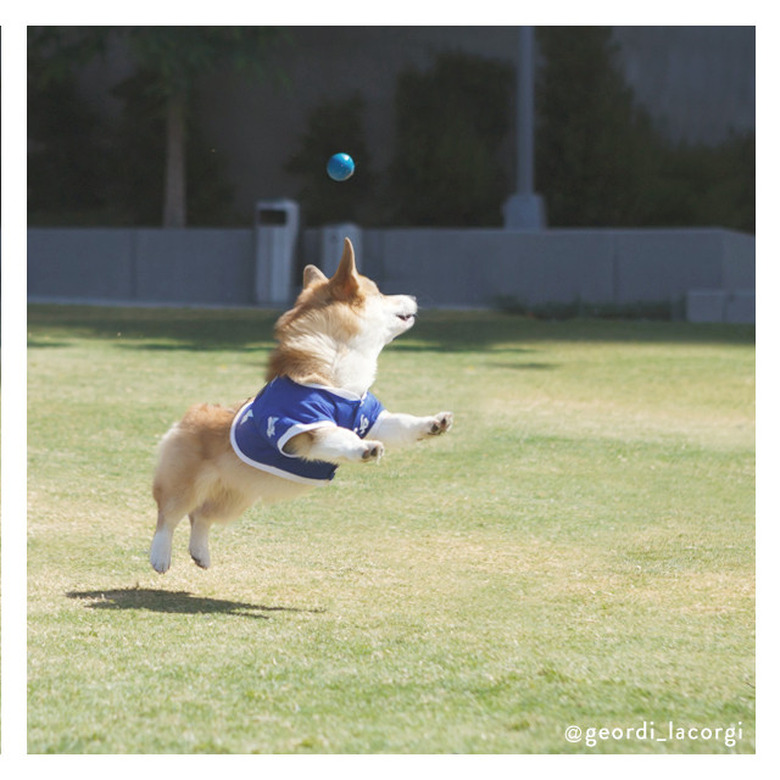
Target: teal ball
pixel 340 167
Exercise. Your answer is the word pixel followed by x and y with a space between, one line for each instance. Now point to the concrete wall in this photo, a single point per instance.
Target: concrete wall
pixel 443 268
pixel 622 267
pixel 193 265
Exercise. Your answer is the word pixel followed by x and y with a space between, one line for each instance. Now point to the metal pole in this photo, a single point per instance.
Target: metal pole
pixel 525 112
pixel 525 209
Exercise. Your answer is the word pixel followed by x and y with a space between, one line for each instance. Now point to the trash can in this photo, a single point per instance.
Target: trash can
pixel 332 245
pixel 276 234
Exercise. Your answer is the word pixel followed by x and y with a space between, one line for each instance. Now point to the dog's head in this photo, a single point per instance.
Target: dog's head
pixel 346 314
pixel 348 306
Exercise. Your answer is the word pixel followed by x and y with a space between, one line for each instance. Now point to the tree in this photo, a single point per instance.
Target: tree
pixel 136 155
pixel 451 122
pixel 594 147
pixel 63 181
pixel 173 59
pixel 600 161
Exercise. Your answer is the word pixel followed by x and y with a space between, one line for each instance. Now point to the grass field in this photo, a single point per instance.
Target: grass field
pixel 578 551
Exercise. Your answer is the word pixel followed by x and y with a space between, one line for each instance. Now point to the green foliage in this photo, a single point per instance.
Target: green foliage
pixel 179 56
pixel 450 124
pixel 175 56
pixel 659 310
pixel 592 143
pixel 58 51
pixel 87 169
pixel 139 143
pixel 600 162
pixel 705 185
pixel 67 161
pixel 334 126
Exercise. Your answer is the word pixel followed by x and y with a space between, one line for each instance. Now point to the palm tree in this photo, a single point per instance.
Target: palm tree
pixel 177 58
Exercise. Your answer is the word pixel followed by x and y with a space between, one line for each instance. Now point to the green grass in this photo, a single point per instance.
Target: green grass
pixel 578 551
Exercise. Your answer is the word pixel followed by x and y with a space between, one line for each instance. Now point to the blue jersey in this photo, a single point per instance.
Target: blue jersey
pixel 284 408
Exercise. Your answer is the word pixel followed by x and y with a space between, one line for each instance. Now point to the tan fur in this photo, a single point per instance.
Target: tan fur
pixel 325 309
pixel 199 470
pixel 327 338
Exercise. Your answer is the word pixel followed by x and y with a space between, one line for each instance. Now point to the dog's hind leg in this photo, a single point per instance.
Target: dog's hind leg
pixel 199 539
pixel 222 505
pixel 173 503
pixel 160 552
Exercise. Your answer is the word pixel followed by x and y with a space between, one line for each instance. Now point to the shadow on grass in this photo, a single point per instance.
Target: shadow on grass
pixel 185 347
pixel 46 344
pixel 153 328
pixel 175 602
pixel 518 366
pixel 446 331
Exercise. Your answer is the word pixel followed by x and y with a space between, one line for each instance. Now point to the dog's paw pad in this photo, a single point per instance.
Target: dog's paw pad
pixel 441 423
pixel 374 450
pixel 202 561
pixel 160 566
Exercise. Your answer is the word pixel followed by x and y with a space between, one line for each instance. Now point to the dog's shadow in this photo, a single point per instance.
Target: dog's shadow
pixel 175 602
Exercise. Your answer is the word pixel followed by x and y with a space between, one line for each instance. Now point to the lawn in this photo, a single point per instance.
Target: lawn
pixel 577 552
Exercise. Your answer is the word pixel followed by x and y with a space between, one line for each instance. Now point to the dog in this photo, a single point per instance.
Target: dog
pixel 314 413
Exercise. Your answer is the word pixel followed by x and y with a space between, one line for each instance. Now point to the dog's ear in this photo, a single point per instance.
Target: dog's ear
pixel 312 274
pixel 345 282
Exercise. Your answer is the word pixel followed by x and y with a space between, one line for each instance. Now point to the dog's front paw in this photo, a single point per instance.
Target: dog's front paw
pixel 372 451
pixel 442 422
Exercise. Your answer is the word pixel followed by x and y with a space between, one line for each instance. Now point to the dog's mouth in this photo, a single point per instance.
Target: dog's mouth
pixel 404 311
pixel 406 321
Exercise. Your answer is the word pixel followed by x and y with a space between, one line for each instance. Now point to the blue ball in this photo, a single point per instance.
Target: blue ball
pixel 340 167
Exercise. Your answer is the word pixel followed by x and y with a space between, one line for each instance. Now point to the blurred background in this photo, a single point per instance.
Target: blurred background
pixel 172 127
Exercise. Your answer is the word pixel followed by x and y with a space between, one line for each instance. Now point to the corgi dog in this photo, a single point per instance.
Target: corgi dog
pixel 314 413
